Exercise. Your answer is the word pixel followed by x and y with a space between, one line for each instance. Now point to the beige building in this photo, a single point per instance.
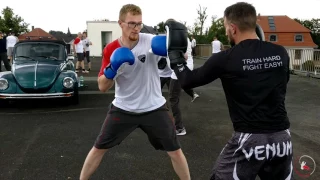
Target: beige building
pixel 101 33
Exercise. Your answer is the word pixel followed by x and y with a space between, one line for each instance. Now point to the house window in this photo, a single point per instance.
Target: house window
pixel 272 28
pixel 272 25
pixel 271 21
pixel 273 38
pixel 298 38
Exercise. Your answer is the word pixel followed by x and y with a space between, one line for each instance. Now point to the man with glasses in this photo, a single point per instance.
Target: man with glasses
pixel 138 99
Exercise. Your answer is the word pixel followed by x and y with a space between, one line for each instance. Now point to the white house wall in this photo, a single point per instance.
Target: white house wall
pixel 307 54
pixel 94 29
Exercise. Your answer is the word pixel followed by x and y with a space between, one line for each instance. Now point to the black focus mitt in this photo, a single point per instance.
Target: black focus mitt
pixel 177 42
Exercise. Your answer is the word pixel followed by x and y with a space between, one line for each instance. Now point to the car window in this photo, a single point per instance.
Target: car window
pixel 41 50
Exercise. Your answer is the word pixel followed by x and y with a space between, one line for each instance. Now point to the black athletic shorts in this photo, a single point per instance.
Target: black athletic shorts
pixel 87 55
pixel 157 124
pixel 247 156
pixel 80 56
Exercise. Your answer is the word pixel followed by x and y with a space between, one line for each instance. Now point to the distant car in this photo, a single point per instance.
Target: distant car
pixel 41 69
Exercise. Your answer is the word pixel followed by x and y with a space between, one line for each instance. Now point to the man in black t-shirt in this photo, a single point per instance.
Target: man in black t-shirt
pixel 254 74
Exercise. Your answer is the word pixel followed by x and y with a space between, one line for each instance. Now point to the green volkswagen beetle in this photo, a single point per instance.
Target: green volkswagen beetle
pixel 40 69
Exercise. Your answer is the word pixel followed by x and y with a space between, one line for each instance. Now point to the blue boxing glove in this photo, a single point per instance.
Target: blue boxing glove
pixel 118 57
pixel 174 45
pixel 159 45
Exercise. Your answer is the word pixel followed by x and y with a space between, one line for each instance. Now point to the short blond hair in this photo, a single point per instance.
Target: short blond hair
pixel 129 8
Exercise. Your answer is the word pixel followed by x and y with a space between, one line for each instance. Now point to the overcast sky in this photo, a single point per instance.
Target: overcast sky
pixel 61 14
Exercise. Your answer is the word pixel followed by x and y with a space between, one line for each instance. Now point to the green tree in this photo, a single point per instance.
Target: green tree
pixel 198 25
pixel 161 27
pixel 314 26
pixel 217 30
pixel 202 17
pixel 195 29
pixel 12 22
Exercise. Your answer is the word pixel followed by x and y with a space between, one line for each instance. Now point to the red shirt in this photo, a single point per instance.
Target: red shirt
pixel 107 51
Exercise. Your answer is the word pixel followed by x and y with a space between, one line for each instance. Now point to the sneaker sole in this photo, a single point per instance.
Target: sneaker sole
pixel 182 134
pixel 194 98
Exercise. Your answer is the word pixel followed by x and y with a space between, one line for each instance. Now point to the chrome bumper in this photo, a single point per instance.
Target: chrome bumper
pixel 36 96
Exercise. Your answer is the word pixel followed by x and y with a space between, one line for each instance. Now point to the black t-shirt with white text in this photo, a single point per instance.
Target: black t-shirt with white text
pixel 254 75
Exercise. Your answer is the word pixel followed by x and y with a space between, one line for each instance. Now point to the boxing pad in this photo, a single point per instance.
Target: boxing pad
pixel 260 32
pixel 177 42
pixel 162 63
pixel 118 57
pixel 159 45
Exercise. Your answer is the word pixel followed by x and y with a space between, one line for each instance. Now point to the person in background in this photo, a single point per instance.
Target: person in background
pixel 78 49
pixel 11 41
pixel 217 46
pixel 193 46
pixel 3 53
pixel 86 44
pixel 175 93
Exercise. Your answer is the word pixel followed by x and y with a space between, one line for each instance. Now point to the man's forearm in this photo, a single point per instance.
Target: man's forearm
pixel 104 83
pixel 203 75
pixel 190 79
pixel 183 73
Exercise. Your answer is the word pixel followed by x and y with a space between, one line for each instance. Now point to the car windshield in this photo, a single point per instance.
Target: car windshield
pixel 35 51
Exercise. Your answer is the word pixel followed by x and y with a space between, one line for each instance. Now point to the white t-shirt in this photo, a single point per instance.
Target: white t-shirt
pixel 137 86
pixel 86 41
pixel 11 41
pixel 166 72
pixel 79 46
pixel 189 60
pixel 216 46
pixel 194 43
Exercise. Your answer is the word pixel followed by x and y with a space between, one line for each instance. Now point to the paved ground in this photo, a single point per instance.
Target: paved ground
pixel 47 140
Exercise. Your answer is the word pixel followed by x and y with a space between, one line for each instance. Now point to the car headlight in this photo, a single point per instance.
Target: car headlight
pixel 3 84
pixel 68 82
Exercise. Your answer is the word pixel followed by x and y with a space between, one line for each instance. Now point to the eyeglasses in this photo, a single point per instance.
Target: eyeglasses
pixel 134 25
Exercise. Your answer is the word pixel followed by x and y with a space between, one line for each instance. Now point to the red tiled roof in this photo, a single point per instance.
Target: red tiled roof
pixel 37 32
pixel 282 24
